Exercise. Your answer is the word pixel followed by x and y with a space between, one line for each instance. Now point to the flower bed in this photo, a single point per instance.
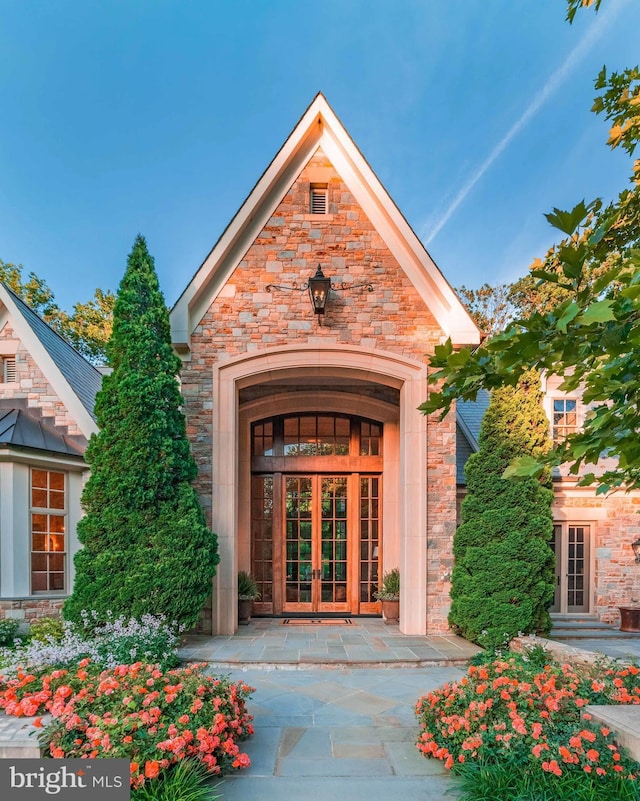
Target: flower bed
pixel 526 710
pixel 153 718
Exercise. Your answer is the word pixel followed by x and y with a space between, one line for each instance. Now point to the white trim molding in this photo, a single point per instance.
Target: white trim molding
pixel 406 462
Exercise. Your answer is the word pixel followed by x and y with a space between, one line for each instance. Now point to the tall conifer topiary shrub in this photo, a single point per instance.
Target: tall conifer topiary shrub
pixel 503 575
pixel 146 545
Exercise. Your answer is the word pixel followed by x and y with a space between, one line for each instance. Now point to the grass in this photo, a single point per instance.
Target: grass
pixel 188 781
pixel 509 782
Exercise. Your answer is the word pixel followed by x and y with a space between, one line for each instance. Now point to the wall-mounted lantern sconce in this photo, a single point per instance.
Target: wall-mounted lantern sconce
pixel 636 549
pixel 320 288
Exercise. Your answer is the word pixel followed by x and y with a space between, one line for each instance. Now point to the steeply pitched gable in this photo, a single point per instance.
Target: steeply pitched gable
pixel 73 378
pixel 320 128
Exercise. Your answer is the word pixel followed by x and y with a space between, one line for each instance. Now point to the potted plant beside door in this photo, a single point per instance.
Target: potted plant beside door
pixel 630 616
pixel 247 593
pixel 389 595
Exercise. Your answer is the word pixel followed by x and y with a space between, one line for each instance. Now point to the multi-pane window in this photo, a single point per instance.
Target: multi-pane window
pixel 48 528
pixel 370 527
pixel 316 435
pixel 565 419
pixel 263 438
pixel 262 535
pixel 370 438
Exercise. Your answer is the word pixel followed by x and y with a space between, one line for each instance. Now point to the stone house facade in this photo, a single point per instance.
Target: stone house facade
pixel 316 469
pixel 319 469
pixel 47 392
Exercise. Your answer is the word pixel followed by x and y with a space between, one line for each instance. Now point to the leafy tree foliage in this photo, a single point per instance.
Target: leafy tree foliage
pixel 591 335
pixel 146 546
pixel 490 306
pixel 503 576
pixel 87 328
pixel 33 290
pixel 574 5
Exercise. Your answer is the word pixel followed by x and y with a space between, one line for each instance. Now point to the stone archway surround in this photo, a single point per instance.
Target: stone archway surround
pixel 305 364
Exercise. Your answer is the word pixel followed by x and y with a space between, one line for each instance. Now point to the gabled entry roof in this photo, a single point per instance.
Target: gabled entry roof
pixel 319 127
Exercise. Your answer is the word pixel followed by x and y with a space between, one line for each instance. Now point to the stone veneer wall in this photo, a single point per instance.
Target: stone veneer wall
pixel 616 522
pixel 246 317
pixel 31 608
pixel 33 386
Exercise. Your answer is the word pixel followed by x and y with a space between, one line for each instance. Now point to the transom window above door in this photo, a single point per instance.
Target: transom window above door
pixel 305 435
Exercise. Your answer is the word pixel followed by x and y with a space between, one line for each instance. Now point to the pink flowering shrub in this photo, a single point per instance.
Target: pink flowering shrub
pixel 153 718
pixel 514 709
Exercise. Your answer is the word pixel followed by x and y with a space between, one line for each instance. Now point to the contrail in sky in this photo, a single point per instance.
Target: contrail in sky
pixel 555 81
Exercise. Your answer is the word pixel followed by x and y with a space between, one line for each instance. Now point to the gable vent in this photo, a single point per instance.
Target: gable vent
pixel 319 197
pixel 9 369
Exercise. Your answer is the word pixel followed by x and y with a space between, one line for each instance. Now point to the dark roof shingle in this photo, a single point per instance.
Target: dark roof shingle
pixel 469 416
pixel 83 378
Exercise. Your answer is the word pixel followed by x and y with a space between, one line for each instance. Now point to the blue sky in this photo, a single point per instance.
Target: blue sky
pixel 158 116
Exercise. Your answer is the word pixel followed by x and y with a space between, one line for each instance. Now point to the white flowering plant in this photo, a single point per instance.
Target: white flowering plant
pixel 151 639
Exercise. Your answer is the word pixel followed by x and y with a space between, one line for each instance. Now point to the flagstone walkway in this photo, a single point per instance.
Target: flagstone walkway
pixel 345 733
pixel 334 708
pixel 368 642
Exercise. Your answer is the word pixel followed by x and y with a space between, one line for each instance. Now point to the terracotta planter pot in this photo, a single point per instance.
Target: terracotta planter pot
pixel 629 618
pixel 391 612
pixel 245 608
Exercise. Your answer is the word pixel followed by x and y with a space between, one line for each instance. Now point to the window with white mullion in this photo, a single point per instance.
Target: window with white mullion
pixel 565 418
pixel 48 531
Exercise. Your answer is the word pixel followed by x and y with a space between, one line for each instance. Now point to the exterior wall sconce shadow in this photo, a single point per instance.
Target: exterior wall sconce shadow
pixel 320 288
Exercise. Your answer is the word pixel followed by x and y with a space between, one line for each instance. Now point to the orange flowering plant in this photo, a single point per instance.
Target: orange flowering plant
pixel 152 717
pixel 528 709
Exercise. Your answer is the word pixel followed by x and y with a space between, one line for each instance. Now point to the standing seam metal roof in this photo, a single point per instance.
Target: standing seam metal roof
pixel 19 428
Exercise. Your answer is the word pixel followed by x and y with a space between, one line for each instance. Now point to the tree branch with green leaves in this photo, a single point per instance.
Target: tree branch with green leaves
pixel 590 336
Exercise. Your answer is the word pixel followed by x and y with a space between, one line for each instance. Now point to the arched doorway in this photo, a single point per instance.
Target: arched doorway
pixel 316 512
pixel 339 379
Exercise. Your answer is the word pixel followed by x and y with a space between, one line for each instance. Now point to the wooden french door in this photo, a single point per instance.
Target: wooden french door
pixel 316 514
pixel 316 517
pixel 572 546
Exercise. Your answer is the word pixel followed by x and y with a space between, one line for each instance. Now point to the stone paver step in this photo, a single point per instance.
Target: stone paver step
pixel 624 720
pixel 18 738
pixel 592 634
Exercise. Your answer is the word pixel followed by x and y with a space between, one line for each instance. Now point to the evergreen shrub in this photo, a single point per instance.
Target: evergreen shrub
pixel 146 546
pixel 504 568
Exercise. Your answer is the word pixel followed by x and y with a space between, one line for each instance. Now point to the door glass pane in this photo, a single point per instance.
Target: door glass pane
pixel 555 544
pixel 298 512
pixel 262 535
pixel 370 488
pixel 577 568
pixel 333 570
